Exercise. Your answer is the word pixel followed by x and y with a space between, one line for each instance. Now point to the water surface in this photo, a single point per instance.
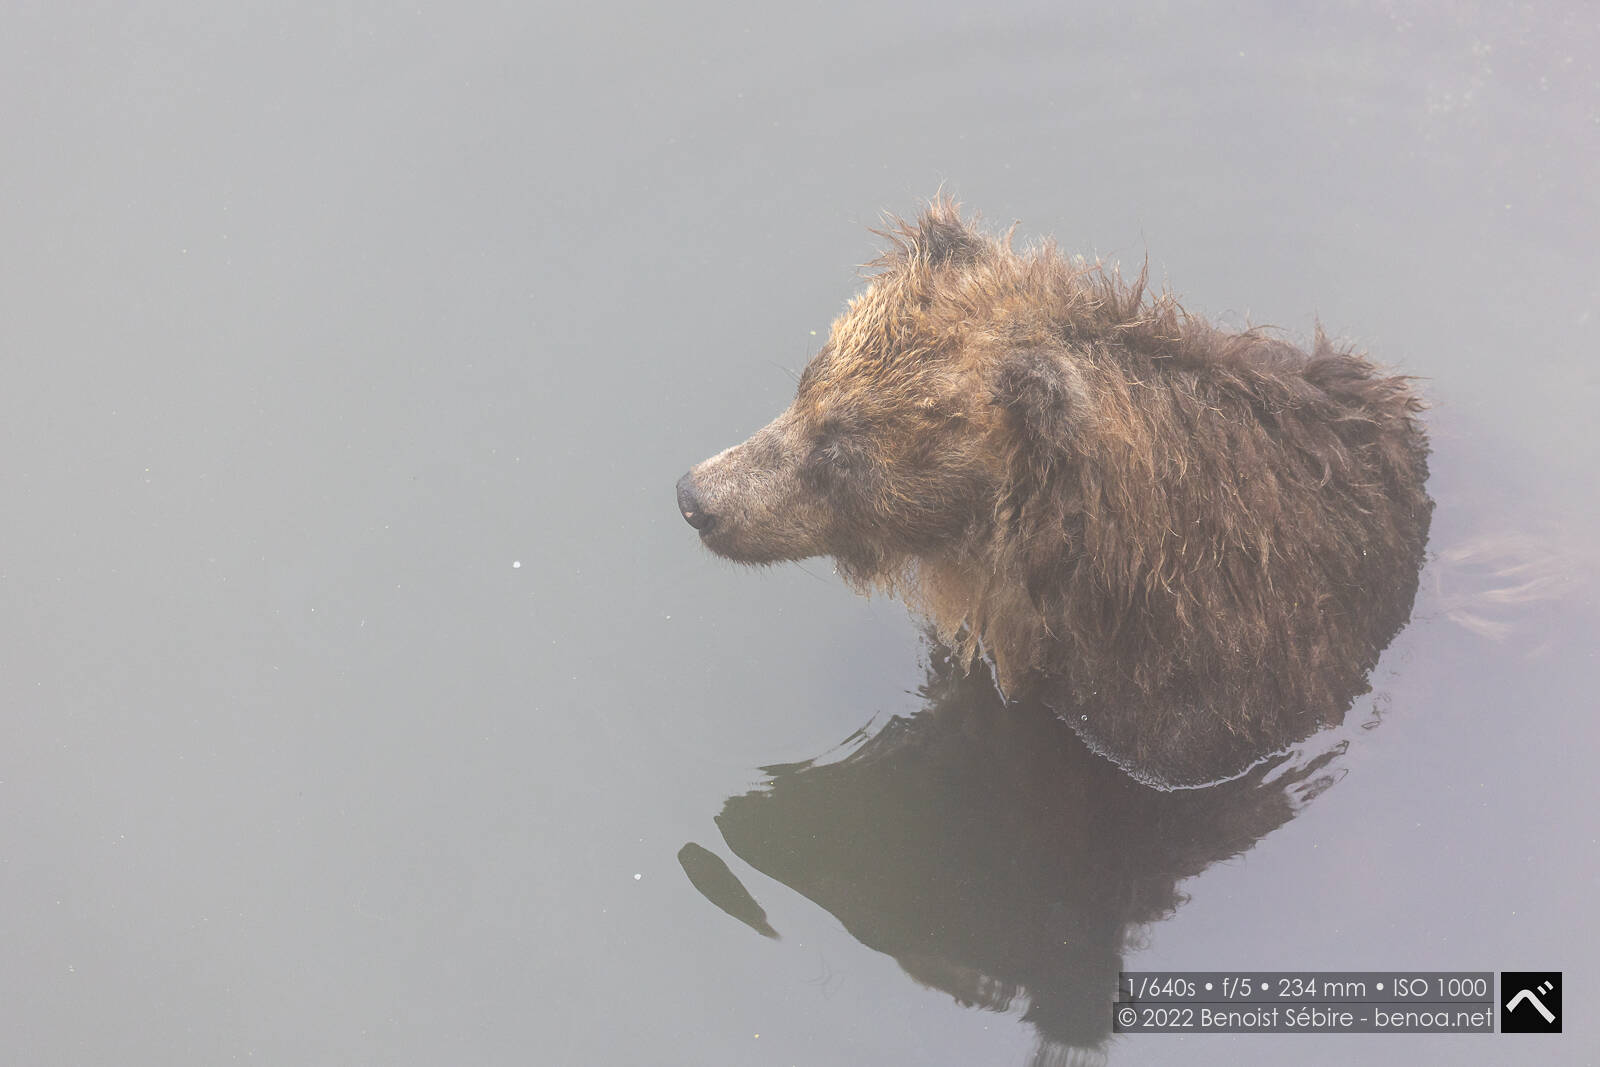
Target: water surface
pixel 363 686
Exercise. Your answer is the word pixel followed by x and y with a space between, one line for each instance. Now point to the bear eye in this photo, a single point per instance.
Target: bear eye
pixel 827 456
pixel 834 454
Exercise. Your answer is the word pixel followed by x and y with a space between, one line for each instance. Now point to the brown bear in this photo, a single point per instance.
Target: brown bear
pixel 1192 543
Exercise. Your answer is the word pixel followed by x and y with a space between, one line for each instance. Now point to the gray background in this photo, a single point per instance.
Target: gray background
pixel 316 321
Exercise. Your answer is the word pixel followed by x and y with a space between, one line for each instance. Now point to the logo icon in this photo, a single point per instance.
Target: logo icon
pixel 1530 1002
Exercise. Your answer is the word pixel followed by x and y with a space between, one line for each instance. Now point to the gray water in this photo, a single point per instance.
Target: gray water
pixel 362 685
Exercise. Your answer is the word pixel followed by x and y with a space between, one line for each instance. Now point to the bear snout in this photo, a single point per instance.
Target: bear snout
pixel 694 513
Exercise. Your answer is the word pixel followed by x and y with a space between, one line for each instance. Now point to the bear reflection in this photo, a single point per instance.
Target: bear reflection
pixel 994 857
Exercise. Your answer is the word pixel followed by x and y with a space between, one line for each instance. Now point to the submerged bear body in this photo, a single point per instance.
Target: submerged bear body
pixel 1192 543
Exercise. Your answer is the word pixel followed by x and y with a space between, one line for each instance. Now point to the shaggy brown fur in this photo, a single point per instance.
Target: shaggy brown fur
pixel 1199 540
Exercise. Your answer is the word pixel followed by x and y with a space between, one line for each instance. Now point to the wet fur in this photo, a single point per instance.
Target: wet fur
pixel 1197 541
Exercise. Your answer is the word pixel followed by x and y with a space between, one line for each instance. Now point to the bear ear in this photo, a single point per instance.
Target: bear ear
pixel 940 237
pixel 1046 405
pixel 944 237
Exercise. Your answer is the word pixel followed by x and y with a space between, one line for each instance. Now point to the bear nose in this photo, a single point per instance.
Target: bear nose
pixel 688 503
